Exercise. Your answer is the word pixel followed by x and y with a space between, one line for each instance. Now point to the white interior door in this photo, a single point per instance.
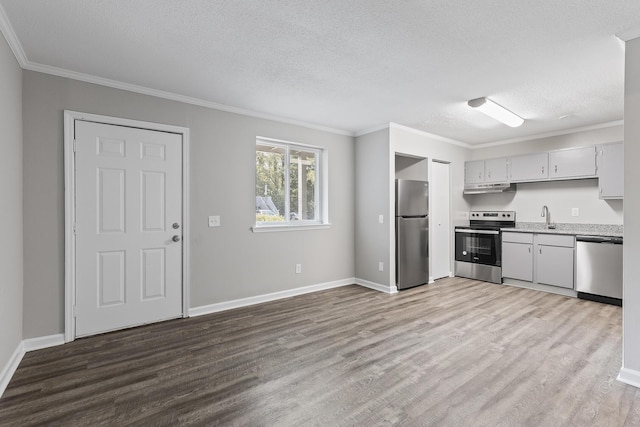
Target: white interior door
pixel 440 213
pixel 128 214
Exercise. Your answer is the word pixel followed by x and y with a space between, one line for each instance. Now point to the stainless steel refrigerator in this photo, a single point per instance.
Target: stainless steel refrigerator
pixel 412 233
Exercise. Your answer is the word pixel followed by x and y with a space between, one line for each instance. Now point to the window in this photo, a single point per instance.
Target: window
pixel 288 184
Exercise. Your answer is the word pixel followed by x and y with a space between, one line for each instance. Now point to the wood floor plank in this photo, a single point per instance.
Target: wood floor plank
pixel 458 352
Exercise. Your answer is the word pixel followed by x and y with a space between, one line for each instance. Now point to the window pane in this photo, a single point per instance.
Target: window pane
pixel 302 178
pixel 270 183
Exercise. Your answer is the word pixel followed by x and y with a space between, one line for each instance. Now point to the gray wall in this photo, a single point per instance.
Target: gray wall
pixel 228 262
pixel 559 196
pixel 631 296
pixel 372 166
pixel 416 143
pixel 376 161
pixel 11 256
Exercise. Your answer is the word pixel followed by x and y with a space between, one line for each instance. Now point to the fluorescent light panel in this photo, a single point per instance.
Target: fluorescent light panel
pixel 496 111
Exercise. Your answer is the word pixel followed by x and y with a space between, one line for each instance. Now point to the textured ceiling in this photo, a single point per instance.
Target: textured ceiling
pixel 352 65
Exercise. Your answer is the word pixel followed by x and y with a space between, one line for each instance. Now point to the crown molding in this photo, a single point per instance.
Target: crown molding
pixel 88 78
pixel 629 33
pixel 10 35
pixel 371 130
pixel 429 135
pixel 549 134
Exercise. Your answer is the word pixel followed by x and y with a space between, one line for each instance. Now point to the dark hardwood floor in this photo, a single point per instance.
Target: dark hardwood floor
pixel 455 353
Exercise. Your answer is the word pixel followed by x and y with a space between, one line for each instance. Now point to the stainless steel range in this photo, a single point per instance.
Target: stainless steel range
pixel 479 246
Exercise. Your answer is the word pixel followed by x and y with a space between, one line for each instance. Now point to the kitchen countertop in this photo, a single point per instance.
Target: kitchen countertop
pixel 568 228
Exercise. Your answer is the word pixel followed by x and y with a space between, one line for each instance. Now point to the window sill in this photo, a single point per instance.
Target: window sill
pixel 275 228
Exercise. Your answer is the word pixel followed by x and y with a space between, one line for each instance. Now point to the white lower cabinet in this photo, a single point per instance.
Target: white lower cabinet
pixel 546 259
pixel 554 266
pixel 517 256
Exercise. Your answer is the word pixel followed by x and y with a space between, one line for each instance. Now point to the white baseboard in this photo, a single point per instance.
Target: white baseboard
pixel 244 302
pixel 31 344
pixel 377 286
pixel 11 366
pixel 629 376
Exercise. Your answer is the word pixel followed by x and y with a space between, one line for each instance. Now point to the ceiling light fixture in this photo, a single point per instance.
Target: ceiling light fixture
pixel 496 111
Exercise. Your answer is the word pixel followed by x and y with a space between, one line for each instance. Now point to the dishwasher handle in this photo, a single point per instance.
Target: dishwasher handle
pixel 600 239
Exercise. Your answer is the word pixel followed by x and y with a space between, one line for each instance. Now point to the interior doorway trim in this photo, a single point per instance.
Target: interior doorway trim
pixel 70 117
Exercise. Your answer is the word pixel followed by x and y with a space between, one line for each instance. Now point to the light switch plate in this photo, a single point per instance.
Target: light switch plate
pixel 380 219
pixel 575 212
pixel 214 221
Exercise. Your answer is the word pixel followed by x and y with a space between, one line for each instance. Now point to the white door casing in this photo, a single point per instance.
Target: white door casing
pixel 128 195
pixel 440 213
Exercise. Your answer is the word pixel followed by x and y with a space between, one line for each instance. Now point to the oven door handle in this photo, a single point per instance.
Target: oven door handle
pixel 477 231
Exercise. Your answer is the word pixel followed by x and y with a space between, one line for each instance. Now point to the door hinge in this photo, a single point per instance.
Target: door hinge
pixel 74 228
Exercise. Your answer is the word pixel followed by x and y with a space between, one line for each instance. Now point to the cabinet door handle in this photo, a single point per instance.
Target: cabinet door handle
pixel 543 169
pixel 556 170
pixel 529 250
pixel 540 249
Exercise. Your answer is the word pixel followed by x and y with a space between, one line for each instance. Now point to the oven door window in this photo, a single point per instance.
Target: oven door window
pixel 478 248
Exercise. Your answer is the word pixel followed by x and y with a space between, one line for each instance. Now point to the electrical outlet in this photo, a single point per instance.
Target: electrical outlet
pixel 575 212
pixel 381 266
pixel 298 268
pixel 214 221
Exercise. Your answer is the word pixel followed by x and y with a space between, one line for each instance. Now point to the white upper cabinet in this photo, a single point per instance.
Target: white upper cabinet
pixel 530 167
pixel 605 162
pixel 495 170
pixel 611 170
pixel 573 163
pixel 474 172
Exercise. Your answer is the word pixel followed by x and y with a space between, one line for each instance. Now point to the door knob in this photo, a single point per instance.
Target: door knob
pixel 176 238
pixel 175 225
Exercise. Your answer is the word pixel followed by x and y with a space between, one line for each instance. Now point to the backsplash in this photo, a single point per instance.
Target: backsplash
pixel 608 229
pixel 560 197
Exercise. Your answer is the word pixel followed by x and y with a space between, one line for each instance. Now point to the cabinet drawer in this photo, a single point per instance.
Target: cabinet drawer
pixel 517 237
pixel 556 240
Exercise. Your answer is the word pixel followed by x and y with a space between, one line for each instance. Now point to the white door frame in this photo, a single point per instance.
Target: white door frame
pixel 70 202
pixel 451 254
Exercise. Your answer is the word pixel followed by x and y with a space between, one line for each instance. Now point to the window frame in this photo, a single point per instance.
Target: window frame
pixel 320 191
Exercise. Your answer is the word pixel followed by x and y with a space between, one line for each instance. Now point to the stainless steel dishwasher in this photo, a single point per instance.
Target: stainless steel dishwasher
pixel 599 268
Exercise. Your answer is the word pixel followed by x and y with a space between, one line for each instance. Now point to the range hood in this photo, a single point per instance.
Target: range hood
pixel 488 188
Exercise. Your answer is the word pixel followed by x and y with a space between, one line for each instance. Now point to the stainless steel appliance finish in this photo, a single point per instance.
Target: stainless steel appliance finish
pixel 412 233
pixel 412 198
pixel 486 273
pixel 599 268
pixel 488 188
pixel 478 250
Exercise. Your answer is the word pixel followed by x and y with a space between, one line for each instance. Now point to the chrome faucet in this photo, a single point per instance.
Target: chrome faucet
pixel 547 221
